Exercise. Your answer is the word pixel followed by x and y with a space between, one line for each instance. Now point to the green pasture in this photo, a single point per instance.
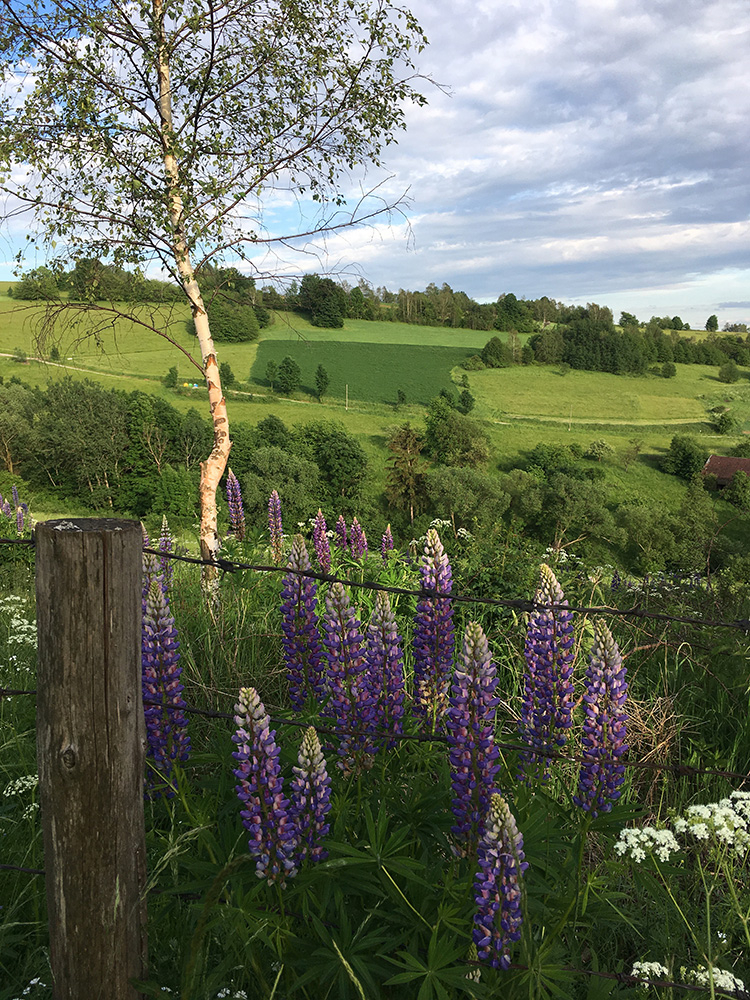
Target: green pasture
pixel 291 326
pixel 542 392
pixel 374 372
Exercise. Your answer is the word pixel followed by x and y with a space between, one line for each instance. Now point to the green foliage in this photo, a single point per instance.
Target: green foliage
pixel 322 381
pixel 496 354
pixel 737 492
pixel 37 285
pixel 406 482
pixel 289 377
pixel 668 370
pixel 176 494
pixel 599 449
pixel 728 372
pixel 339 457
pixel 227 376
pixel 171 379
pixel 685 457
pixel 465 402
pixel 514 314
pixel 324 300
pixel 454 439
pixel 725 423
pixel 231 321
pixel 296 479
pixel 471 497
pixel 272 373
pixel 712 323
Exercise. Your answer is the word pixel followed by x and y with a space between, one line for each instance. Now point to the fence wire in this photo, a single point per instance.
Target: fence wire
pixel 522 605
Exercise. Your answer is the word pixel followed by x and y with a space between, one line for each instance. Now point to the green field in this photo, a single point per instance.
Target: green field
pixel 374 372
pixel 592 397
pixel 520 407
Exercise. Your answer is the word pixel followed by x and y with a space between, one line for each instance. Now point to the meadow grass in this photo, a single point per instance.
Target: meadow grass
pixel 374 372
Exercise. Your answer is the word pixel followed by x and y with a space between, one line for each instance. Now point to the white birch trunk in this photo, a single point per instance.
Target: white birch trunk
pixel 212 469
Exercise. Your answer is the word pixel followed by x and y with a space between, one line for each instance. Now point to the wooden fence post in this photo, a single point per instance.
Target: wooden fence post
pixel 90 748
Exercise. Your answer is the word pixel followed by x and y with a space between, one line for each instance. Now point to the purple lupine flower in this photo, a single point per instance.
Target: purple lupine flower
pixel 384 668
pixel 497 890
pixel 310 799
pixel 470 723
pixel 341 542
pixel 166 545
pixel 434 638
pixel 358 540
pixel 275 527
pixel 616 581
pixel 236 509
pixel 320 541
pixel 604 731
pixel 166 723
pixel 299 625
pixel 7 509
pixel 14 494
pixel 386 544
pixel 273 837
pixel 349 703
pixel 19 519
pixel 548 685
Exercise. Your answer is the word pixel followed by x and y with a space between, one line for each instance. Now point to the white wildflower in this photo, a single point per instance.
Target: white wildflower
pixel 649 970
pixel 636 843
pixel 721 979
pixel 20 785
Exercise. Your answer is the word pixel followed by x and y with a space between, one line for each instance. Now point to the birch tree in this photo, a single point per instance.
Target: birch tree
pixel 150 132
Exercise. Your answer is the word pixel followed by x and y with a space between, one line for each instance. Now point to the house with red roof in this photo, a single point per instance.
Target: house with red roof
pixel 724 467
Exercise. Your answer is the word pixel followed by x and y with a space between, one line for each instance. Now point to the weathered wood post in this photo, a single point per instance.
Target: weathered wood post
pixel 90 747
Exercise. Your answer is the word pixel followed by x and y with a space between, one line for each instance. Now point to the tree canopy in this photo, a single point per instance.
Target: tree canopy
pixel 146 135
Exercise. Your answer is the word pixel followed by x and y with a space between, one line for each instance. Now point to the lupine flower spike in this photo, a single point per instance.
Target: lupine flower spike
pixel 236 509
pixel 604 730
pixel 299 625
pixel 275 527
pixel 349 703
pixel 434 638
pixel 310 799
pixel 470 723
pixel 384 668
pixel 497 888
pixel 358 540
pixel 166 724
pixel 320 541
pixel 386 545
pixel 341 541
pixel 166 544
pixel 548 685
pixel 273 840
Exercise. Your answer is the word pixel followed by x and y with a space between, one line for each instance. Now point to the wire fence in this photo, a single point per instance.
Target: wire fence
pixel 520 605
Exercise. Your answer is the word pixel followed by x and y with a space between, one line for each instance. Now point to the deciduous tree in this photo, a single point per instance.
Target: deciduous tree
pixel 144 135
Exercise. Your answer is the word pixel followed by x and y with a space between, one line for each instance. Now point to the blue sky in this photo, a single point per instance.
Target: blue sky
pixel 589 150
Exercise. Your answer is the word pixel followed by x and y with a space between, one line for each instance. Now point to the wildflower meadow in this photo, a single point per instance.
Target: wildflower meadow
pixel 367 780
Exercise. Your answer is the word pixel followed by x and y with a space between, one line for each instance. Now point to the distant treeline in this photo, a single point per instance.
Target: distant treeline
pixel 229 295
pixel 589 340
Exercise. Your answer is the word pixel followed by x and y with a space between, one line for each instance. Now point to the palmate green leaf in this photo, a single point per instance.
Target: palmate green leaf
pixel 442 974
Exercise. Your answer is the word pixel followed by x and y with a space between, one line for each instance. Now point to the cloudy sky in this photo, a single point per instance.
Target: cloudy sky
pixel 589 150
